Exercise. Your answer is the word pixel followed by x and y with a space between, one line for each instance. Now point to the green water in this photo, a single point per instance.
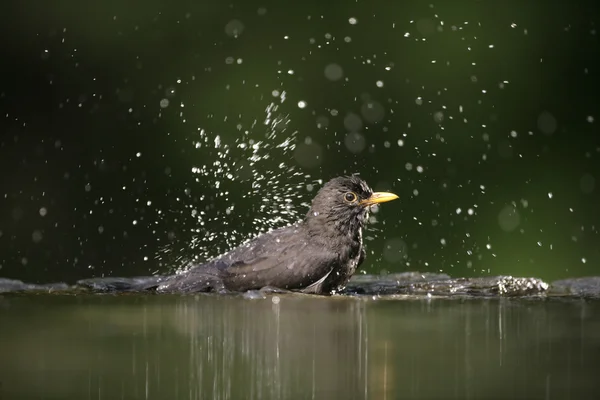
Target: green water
pixel 297 347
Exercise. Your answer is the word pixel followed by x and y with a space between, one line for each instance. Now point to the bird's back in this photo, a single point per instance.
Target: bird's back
pixel 286 258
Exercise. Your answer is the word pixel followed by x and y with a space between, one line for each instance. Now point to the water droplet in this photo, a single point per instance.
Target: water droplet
pixel 234 28
pixel 37 236
pixel 547 123
pixel 353 122
pixel 334 72
pixel 509 218
pixel 322 122
pixel 372 111
pixel 355 142
pixel 395 250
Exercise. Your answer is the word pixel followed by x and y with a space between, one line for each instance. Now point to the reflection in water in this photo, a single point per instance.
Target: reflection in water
pixel 296 347
pixel 275 348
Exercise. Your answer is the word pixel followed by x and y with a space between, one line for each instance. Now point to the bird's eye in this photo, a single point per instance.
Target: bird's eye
pixel 350 197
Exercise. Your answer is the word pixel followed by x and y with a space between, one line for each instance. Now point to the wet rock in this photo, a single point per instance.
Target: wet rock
pixel 408 283
pixel 402 283
pixel 13 285
pixel 415 283
pixel 588 287
pixel 403 276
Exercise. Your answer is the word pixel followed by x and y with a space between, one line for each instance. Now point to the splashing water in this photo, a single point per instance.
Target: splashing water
pixel 240 172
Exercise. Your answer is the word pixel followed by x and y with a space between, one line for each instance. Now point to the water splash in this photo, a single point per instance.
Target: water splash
pixel 240 173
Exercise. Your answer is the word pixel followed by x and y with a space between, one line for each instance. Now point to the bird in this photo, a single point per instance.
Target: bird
pixel 317 255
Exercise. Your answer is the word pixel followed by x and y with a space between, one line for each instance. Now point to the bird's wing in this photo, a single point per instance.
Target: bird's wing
pixel 281 259
pixel 316 287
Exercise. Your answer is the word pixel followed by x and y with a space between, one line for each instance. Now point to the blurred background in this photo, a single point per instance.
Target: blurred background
pixel 139 136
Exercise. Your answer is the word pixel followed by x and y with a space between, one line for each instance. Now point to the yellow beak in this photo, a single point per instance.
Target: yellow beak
pixel 378 197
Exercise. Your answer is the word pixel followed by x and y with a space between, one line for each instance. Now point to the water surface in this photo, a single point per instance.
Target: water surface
pixel 297 347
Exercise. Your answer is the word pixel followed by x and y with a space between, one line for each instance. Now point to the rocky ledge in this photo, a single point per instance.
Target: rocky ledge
pixel 407 283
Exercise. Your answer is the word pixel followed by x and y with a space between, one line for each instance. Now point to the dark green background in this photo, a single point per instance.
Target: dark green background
pixel 80 97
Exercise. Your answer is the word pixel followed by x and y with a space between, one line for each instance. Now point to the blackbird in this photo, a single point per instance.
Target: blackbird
pixel 316 255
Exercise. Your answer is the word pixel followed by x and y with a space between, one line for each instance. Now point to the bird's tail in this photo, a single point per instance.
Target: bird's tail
pixel 108 285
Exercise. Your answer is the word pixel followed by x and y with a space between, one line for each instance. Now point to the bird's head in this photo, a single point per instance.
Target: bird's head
pixel 343 204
